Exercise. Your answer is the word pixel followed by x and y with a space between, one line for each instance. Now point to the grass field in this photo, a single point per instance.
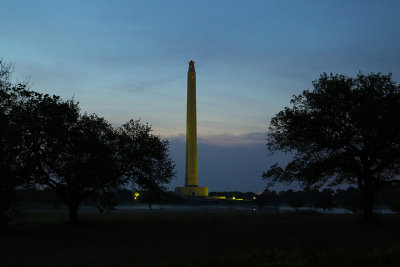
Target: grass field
pixel 200 238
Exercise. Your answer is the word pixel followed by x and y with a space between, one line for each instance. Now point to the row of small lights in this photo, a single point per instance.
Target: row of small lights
pixel 136 196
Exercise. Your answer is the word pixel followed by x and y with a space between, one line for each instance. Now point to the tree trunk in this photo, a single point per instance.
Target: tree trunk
pixel 368 202
pixel 73 212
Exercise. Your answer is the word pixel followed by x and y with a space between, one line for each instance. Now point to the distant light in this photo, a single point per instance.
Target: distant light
pixel 233 198
pixel 254 197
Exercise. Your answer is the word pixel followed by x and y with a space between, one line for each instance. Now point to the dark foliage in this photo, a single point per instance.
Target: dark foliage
pixel 14 142
pixel 325 200
pixel 296 202
pixel 144 161
pixel 74 154
pixel 343 131
pixel 143 157
pixel 262 200
pixel 351 199
pixel 46 142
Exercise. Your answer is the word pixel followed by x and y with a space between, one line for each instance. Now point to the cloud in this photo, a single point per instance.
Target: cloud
pixel 227 140
pixel 228 167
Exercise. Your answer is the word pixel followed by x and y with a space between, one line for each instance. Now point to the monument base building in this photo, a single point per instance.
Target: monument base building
pixel 192 191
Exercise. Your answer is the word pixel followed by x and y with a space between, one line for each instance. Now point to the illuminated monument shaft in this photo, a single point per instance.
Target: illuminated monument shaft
pixel 191 178
pixel 191 187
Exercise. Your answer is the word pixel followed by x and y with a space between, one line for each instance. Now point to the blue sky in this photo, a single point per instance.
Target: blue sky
pixel 128 59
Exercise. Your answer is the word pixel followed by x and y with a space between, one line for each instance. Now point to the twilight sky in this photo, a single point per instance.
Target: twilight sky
pixel 128 59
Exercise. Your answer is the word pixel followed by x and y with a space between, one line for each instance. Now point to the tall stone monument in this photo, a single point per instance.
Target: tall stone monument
pixel 191 188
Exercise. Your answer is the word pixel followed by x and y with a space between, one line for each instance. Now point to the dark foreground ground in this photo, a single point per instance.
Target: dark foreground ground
pixel 200 238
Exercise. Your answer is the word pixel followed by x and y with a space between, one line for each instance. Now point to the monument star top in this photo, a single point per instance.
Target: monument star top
pixel 191 66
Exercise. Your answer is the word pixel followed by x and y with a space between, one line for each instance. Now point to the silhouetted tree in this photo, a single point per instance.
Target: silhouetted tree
pixel 285 196
pixel 144 158
pixel 74 154
pixel 395 206
pixel 151 197
pixel 346 130
pixel 325 200
pixel 105 200
pixel 14 136
pixel 45 141
pixel 296 202
pixel 262 200
pixel 352 200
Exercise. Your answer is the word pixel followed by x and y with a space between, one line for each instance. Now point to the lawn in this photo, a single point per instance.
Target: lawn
pixel 200 238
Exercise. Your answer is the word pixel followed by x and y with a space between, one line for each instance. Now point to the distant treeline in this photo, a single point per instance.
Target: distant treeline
pixel 327 199
pixel 351 198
